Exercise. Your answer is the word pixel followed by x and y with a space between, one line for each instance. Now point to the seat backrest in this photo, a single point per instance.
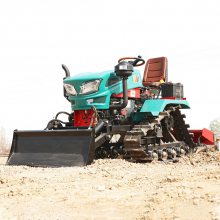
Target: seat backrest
pixel 155 71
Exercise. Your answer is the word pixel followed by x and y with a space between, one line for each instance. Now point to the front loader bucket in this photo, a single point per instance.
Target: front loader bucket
pixel 53 148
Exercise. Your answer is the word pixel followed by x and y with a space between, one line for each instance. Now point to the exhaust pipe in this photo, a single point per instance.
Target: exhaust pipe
pixel 66 70
pixel 125 96
pixel 123 70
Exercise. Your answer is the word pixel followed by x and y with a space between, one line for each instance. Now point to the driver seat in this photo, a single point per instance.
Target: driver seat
pixel 155 72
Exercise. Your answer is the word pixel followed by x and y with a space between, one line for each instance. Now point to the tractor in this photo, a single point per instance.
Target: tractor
pixel 115 114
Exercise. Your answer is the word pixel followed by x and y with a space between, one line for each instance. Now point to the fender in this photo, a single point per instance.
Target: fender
pixel 155 106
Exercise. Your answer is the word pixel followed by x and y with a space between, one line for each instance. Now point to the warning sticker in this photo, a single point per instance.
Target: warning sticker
pixel 135 78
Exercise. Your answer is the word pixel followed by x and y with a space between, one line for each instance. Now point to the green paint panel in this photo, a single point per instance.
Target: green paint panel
pixel 138 116
pixel 155 106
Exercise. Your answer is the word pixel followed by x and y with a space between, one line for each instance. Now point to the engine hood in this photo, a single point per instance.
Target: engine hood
pixel 88 76
pixel 109 84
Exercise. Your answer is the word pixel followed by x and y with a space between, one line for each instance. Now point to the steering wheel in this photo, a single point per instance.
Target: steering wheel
pixel 133 60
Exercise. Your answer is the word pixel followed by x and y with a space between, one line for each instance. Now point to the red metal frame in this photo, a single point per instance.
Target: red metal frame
pixel 132 93
pixel 82 118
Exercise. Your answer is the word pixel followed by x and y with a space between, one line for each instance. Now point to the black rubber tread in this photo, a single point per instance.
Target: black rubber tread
pixel 179 135
pixel 181 131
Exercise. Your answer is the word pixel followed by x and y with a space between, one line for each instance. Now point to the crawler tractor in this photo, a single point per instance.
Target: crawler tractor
pixel 115 113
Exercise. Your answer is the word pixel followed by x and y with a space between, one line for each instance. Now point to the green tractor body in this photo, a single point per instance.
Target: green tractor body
pixel 114 114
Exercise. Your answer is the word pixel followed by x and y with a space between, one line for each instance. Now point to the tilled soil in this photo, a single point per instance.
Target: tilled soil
pixel 114 189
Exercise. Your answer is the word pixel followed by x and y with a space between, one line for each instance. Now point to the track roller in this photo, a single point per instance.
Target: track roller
pixel 101 153
pixel 155 155
pixel 162 155
pixel 180 151
pixel 171 153
pixel 113 152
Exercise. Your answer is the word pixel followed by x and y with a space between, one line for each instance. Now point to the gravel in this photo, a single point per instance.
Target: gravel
pixel 114 189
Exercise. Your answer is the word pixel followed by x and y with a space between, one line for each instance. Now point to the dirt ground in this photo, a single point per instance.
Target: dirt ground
pixel 114 189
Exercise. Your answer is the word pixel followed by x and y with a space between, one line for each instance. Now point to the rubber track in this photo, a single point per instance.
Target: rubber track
pixel 133 137
pixel 181 129
pixel 181 133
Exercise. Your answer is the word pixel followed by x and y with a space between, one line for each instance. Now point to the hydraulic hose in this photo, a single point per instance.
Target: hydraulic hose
pixel 99 126
pixel 56 120
pixel 66 113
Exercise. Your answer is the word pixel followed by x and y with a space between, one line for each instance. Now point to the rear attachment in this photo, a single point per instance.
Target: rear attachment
pixel 203 136
pixel 52 148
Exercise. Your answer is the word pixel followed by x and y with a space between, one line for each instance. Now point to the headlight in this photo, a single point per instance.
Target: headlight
pixel 90 87
pixel 70 89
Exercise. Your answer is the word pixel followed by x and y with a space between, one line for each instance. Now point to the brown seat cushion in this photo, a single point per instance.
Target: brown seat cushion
pixel 155 71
